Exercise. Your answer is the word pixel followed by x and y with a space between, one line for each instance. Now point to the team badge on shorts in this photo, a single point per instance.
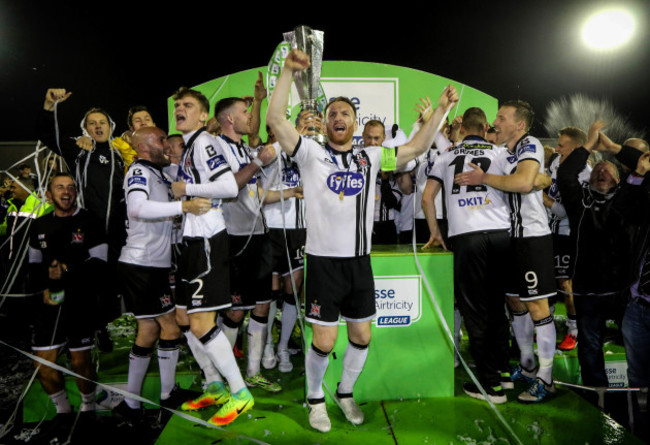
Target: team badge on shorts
pixel 315 310
pixel 236 299
pixel 166 300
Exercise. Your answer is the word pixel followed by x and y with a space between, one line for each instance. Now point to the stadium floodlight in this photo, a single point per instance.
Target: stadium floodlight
pixel 608 29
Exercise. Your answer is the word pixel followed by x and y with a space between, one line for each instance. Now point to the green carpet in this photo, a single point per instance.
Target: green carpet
pixel 282 418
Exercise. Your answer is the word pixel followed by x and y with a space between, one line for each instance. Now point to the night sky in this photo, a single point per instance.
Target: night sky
pixel 117 56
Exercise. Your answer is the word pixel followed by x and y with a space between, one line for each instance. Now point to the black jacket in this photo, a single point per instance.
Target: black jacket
pixel 603 228
pixel 99 174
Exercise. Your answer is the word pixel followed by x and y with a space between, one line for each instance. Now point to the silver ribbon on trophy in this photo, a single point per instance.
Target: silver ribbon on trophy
pixel 312 97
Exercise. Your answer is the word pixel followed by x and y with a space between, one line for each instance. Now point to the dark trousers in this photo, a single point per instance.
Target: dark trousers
pixel 592 313
pixel 480 265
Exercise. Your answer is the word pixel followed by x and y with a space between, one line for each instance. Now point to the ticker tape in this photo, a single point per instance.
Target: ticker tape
pixel 128 394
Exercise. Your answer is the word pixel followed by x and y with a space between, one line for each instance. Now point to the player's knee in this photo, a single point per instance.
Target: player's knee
pixel 539 309
pixel 45 373
pixel 168 327
pixel 81 362
pixel 359 338
pixel 319 351
pixel 323 344
pixel 170 331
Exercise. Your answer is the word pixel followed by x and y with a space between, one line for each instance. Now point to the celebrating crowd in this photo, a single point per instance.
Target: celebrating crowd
pixel 199 229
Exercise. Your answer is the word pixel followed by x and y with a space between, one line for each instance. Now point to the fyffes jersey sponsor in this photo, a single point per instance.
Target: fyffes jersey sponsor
pixel 348 183
pixel 290 177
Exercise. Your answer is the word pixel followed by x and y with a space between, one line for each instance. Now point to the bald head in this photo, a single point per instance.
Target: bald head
pixel 637 143
pixel 604 177
pixel 151 144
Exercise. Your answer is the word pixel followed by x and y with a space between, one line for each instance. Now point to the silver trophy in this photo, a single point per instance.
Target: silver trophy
pixel 312 98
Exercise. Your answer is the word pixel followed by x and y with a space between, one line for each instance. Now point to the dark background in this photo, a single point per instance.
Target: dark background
pixel 116 55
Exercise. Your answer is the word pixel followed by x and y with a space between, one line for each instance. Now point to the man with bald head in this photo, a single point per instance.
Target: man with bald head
pixel 638 143
pixel 145 261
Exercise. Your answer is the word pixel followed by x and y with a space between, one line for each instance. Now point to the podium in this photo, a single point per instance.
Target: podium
pixel 410 355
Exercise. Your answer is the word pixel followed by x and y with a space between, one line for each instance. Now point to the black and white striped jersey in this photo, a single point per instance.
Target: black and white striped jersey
pixel 528 215
pixel 203 162
pixel 339 190
pixel 243 215
pixel 283 174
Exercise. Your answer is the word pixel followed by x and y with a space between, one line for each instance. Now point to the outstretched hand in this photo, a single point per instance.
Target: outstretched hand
pixel 424 109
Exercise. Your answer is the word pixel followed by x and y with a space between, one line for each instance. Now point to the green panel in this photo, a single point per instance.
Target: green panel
pixel 404 87
pixel 405 362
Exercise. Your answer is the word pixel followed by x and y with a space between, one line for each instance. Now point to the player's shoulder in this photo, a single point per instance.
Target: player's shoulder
pixel 529 143
pixel 137 175
pixel 205 138
pixel 307 148
pixel 372 151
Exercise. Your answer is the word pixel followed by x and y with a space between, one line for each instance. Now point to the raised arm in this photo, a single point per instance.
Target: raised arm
pixel 46 127
pixel 53 95
pixel 284 131
pixel 424 137
pixel 260 93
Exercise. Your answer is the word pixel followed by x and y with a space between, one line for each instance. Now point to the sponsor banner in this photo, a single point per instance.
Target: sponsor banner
pixel 375 98
pixel 386 93
pixel 398 300
pixel 616 372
